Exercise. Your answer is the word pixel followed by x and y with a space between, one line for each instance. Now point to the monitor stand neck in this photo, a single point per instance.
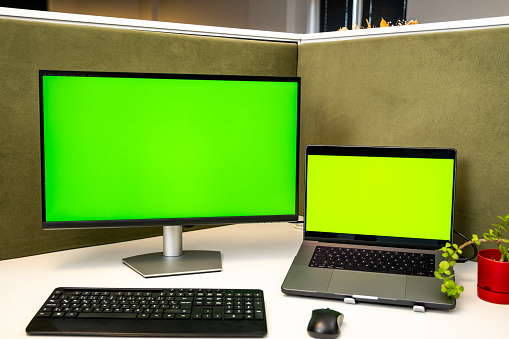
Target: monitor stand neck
pixel 173 260
pixel 172 241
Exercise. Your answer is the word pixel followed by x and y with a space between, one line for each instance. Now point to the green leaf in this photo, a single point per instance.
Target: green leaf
pixel 455 256
pixel 450 284
pixel 444 265
pixel 445 255
pixel 452 263
pixel 455 246
pixel 438 275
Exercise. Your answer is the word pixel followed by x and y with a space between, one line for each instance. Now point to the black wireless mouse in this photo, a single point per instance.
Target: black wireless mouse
pixel 325 323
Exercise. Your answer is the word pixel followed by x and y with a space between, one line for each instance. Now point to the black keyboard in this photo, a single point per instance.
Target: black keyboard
pixel 421 264
pixel 152 312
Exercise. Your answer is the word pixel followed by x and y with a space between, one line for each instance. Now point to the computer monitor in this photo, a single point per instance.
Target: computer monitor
pixel 171 150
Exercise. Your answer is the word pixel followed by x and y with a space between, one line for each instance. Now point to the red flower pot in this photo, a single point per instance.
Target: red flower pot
pixel 492 277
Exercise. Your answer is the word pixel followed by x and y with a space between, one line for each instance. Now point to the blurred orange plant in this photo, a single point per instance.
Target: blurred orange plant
pixel 383 23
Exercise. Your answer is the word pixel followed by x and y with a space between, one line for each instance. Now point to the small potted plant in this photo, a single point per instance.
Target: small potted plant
pixel 493 266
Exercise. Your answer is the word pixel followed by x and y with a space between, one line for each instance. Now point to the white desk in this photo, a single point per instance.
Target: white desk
pixel 254 256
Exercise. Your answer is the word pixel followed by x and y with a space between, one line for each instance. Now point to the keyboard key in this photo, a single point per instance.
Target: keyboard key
pixel 233 316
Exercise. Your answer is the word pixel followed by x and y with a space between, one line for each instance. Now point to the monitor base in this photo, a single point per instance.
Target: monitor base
pixel 190 262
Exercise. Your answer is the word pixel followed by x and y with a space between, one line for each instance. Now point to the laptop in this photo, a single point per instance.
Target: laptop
pixel 393 205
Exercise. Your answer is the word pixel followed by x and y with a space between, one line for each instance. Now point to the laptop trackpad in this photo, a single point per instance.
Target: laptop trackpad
pixel 391 286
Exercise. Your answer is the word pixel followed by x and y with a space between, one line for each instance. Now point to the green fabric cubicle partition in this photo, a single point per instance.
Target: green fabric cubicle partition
pixel 28 46
pixel 447 89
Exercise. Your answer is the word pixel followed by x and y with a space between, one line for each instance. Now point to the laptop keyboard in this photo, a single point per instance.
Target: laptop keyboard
pixel 407 263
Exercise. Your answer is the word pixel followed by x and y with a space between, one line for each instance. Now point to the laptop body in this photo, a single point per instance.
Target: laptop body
pixel 372 199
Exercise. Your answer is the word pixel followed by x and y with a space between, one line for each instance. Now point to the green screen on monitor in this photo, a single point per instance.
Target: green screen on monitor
pixel 380 196
pixel 192 149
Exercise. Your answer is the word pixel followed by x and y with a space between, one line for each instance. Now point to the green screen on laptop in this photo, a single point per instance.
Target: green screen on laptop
pixel 380 196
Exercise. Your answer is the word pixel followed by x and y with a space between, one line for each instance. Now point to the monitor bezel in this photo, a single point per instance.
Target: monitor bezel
pixel 192 221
